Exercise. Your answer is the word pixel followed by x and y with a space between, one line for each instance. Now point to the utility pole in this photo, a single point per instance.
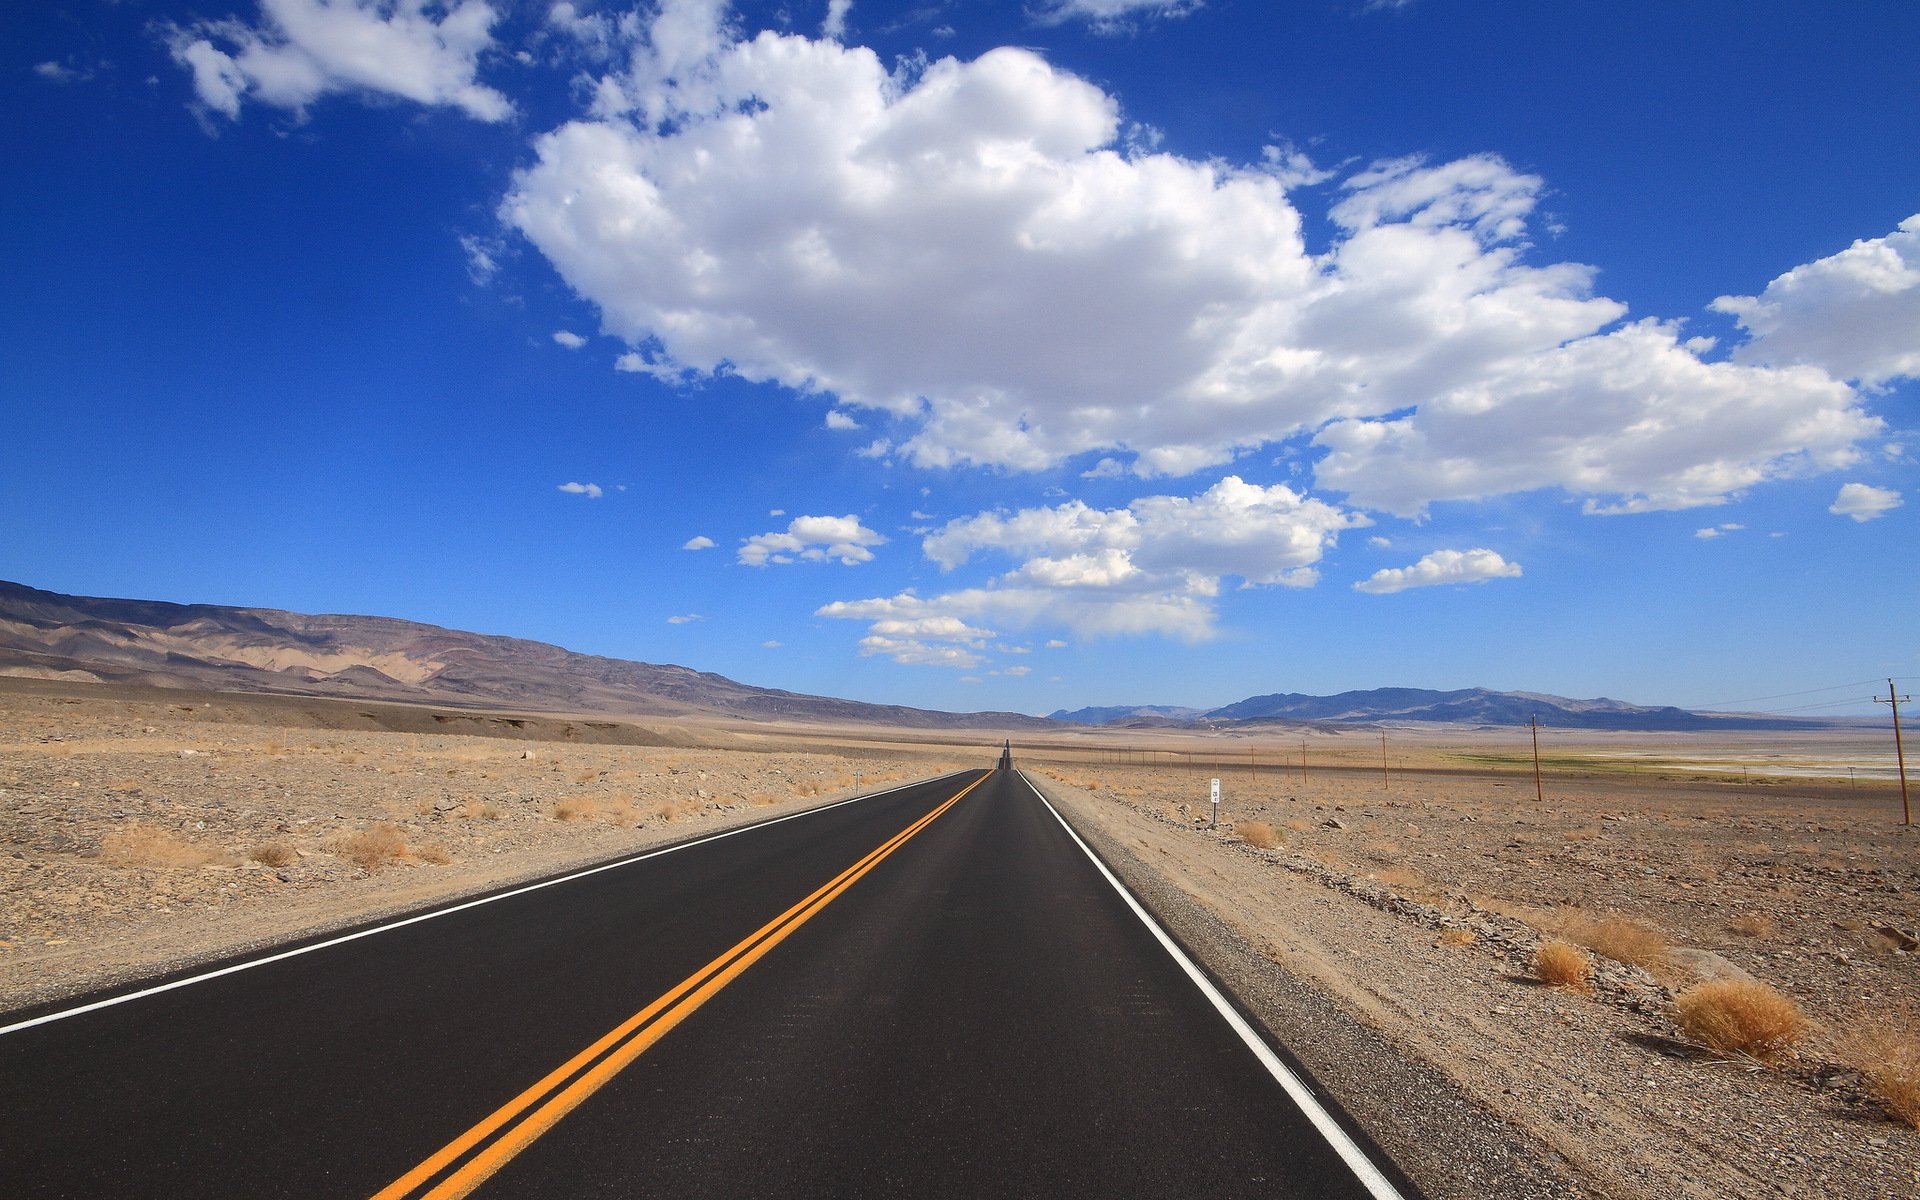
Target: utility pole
pixel 1303 760
pixel 1539 794
pixel 1383 759
pixel 1899 752
pixel 1253 764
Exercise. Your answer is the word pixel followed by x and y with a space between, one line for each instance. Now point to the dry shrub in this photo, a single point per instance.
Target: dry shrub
pixel 145 846
pixel 620 811
pixel 575 808
pixel 1404 878
pixel 272 854
pixel 1299 824
pixel 1753 925
pixel 372 848
pixel 586 776
pixel 1258 834
pixel 1888 1056
pixel 1623 939
pixel 432 854
pixel 1740 1016
pixel 1563 965
pixel 1457 937
pixel 476 809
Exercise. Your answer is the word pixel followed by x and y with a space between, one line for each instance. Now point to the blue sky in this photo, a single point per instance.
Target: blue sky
pixel 988 355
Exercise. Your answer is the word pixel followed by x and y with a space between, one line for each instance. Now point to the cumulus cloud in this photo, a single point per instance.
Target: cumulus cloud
pixel 427 51
pixel 835 25
pixel 1440 567
pixel 1853 314
pixel 1154 567
pixel 978 250
pixel 813 539
pixel 1864 502
pixel 592 491
pixel 569 339
pixel 701 542
pixel 836 419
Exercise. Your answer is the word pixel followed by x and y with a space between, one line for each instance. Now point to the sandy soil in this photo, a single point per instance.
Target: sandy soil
pixel 141 831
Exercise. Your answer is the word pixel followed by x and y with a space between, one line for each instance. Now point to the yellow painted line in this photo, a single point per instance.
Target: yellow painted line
pixel 627 1041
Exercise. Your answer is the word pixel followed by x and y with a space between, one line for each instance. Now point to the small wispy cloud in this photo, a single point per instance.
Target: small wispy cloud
pixel 569 339
pixel 702 542
pixel 687 619
pixel 591 491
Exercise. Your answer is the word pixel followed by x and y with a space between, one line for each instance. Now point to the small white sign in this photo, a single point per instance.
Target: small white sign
pixel 1216 791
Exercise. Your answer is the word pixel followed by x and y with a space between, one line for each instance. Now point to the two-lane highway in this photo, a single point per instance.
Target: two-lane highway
pixel 933 991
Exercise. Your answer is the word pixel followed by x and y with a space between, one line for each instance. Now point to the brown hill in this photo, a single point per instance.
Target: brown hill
pixel 46 635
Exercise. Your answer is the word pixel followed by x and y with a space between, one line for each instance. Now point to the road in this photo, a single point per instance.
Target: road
pixel 909 995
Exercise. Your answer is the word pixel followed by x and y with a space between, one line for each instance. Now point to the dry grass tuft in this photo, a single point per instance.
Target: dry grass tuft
pixel 372 848
pixel 575 808
pixel 272 854
pixel 432 854
pixel 1624 940
pixel 1563 965
pixel 1457 937
pixel 1753 925
pixel 1405 878
pixel 1258 834
pixel 145 846
pixel 1888 1056
pixel 1740 1016
pixel 476 809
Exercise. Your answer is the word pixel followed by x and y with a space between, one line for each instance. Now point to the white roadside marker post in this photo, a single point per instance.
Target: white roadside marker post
pixel 1214 821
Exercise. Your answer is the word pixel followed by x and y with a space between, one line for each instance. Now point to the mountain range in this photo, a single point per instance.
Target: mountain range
pixel 48 635
pixel 1466 706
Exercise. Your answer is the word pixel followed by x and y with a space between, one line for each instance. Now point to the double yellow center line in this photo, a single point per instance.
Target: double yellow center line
pixel 516 1124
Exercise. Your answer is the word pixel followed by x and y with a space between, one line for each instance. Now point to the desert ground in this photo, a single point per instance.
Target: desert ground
pixel 141 831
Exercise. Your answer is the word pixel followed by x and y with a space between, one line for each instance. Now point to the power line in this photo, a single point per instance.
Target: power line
pixel 1786 695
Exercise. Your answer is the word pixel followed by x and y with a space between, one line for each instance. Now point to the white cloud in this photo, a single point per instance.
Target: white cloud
pixel 1153 567
pixel 701 542
pixel 1107 15
pixel 977 250
pixel 771 644
pixel 835 26
pixel 1260 534
pixel 1864 502
pixel 814 539
pixel 426 51
pixel 592 491
pixel 1631 416
pixel 569 339
pixel 58 72
pixel 1440 567
pixel 1720 530
pixel 1056 644
pixel 1855 314
pixel 688 619
pixel 483 258
pixel 836 419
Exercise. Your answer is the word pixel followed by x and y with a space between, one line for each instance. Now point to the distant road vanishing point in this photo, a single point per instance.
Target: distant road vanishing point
pixel 932 991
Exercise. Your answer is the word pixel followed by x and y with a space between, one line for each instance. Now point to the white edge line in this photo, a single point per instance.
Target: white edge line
pixel 248 965
pixel 1370 1176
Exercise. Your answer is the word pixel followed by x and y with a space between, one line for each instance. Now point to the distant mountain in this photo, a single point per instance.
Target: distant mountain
pixel 1468 706
pixel 1115 716
pixel 51 636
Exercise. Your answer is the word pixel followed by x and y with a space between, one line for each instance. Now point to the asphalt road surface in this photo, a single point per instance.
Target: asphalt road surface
pixel 907 995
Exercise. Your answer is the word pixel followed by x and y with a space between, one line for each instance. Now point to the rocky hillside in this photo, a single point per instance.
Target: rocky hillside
pixel 82 638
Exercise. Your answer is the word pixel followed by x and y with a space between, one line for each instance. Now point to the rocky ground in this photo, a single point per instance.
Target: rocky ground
pixel 140 834
pixel 1419 905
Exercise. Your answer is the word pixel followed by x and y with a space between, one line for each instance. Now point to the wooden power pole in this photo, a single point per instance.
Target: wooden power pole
pixel 1533 723
pixel 1895 699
